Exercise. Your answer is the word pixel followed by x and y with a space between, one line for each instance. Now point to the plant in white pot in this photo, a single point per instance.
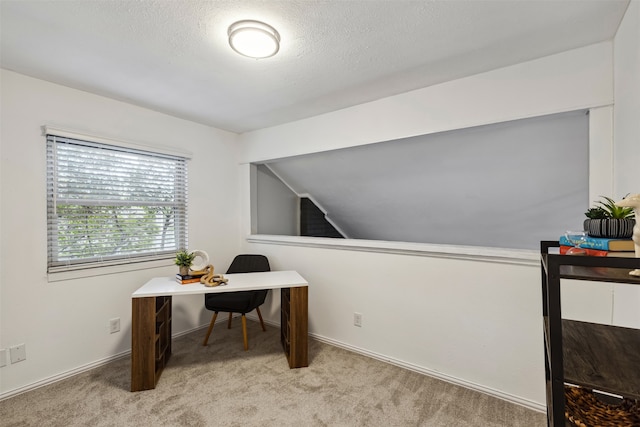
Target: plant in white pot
pixel 609 220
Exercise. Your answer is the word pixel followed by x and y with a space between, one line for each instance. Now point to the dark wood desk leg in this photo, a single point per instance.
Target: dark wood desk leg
pixel 143 334
pixel 299 319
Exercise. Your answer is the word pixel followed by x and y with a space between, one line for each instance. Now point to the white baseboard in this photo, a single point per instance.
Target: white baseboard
pixel 439 375
pixel 63 375
pixel 539 407
pixel 415 368
pixel 79 369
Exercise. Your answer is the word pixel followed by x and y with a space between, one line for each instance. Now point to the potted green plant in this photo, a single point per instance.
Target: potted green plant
pixel 609 220
pixel 184 259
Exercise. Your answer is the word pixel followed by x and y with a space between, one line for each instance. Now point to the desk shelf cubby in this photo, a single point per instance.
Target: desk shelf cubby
pixel 294 325
pixel 285 324
pixel 152 337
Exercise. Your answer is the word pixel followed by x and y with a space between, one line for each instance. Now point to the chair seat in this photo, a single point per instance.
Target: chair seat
pixel 235 302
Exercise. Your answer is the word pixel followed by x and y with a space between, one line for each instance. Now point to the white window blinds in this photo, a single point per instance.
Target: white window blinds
pixel 112 205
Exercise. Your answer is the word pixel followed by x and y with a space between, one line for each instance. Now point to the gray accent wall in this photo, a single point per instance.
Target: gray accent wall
pixel 277 206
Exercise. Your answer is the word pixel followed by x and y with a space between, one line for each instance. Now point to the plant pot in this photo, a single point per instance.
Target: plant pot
pixel 184 270
pixel 610 228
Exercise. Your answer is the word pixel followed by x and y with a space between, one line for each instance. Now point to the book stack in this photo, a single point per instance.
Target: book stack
pixel 600 246
pixel 192 277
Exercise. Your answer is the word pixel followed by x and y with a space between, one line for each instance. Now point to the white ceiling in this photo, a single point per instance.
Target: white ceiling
pixel 173 56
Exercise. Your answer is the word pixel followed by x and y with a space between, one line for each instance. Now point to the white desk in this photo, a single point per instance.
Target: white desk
pixel 151 319
pixel 162 286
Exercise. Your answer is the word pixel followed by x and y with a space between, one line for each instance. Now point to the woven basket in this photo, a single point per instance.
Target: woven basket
pixel 584 409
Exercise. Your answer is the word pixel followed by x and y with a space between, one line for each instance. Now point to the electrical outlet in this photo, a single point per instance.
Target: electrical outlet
pixel 357 319
pixel 3 357
pixel 18 353
pixel 114 325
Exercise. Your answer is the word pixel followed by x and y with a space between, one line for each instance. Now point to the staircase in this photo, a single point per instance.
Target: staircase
pixel 313 221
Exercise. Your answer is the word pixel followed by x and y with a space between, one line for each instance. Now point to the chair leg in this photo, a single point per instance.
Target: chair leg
pixel 213 321
pixel 244 332
pixel 260 317
pixel 229 323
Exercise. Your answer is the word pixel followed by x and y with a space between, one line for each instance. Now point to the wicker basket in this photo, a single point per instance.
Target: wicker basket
pixel 584 408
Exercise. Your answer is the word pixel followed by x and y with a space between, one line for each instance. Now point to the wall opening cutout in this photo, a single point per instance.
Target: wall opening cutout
pixel 505 185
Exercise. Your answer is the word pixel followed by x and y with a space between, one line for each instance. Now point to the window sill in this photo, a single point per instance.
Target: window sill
pixel 111 269
pixel 527 257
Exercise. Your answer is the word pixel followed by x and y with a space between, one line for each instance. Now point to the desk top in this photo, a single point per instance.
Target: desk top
pixel 164 286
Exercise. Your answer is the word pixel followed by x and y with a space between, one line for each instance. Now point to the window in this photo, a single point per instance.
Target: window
pixel 111 205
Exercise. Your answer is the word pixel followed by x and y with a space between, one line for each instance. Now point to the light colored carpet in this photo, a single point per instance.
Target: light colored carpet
pixel 222 385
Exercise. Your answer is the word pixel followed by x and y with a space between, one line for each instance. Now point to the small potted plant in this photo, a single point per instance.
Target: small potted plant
pixel 184 259
pixel 609 220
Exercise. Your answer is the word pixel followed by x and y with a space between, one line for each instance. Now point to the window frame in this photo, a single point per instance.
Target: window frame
pixel 89 266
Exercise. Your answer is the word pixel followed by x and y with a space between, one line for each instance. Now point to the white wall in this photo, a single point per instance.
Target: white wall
pixel 64 324
pixel 626 153
pixel 627 105
pixel 475 323
pixel 574 80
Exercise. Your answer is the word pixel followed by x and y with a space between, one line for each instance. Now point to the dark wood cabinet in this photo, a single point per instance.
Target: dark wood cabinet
pixel 595 356
pixel 294 325
pixel 151 336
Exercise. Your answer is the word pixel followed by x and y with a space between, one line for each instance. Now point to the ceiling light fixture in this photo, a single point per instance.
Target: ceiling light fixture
pixel 254 39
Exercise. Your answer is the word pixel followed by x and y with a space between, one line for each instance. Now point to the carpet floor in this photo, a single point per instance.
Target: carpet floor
pixel 222 385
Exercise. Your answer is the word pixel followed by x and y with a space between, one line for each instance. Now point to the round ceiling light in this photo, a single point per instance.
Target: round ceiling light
pixel 254 39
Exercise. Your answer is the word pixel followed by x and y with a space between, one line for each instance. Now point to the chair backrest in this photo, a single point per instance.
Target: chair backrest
pixel 248 263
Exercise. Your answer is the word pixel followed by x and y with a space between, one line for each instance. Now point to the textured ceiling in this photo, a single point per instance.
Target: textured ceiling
pixel 173 56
